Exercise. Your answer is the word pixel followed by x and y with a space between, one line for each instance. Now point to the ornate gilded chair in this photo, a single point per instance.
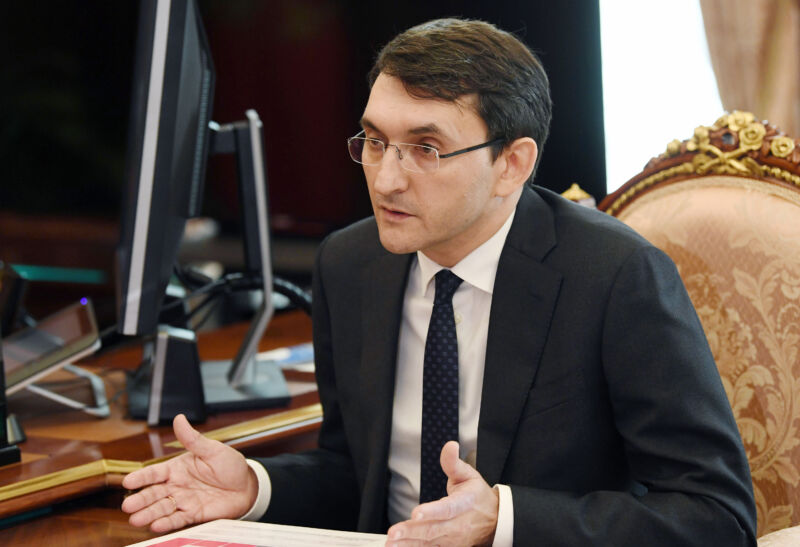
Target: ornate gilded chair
pixel 725 206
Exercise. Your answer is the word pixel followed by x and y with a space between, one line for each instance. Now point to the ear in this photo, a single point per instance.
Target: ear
pixel 516 162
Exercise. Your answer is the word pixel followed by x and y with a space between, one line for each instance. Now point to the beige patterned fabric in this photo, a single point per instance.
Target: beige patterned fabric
pixel 736 243
pixel 788 537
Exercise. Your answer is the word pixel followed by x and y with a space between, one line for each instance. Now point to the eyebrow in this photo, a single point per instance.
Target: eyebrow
pixel 427 129
pixel 430 128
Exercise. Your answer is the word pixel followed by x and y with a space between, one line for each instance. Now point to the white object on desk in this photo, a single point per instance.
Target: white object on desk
pixel 262 534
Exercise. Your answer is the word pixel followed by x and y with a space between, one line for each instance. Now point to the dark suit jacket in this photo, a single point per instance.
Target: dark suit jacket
pixel 601 406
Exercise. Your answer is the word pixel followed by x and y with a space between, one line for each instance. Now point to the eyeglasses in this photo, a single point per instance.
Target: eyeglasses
pixel 416 158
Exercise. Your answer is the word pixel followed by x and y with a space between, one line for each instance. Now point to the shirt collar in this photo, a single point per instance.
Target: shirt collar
pixel 478 268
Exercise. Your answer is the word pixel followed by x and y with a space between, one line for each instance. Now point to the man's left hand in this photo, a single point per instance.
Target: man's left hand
pixel 466 516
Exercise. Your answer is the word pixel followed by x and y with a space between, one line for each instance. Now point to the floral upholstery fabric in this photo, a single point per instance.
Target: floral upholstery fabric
pixel 788 537
pixel 736 243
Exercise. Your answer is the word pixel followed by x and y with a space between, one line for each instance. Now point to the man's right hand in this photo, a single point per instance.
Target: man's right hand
pixel 210 481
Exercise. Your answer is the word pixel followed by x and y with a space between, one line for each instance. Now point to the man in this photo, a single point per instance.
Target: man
pixel 588 405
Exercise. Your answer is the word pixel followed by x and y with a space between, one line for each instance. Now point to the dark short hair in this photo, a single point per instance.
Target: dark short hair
pixel 450 58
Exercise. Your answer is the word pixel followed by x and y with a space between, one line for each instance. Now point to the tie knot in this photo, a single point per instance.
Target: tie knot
pixel 446 284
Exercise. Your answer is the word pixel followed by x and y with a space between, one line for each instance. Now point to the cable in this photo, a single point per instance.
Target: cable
pixel 191 277
pixel 296 295
pixel 232 282
pixel 210 287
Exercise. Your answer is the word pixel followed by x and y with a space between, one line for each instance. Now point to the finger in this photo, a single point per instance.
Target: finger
pixel 415 533
pixel 191 439
pixel 456 469
pixel 176 520
pixel 144 498
pixel 444 509
pixel 151 474
pixel 163 507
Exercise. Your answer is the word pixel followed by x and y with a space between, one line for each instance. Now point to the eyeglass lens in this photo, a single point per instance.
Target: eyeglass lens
pixel 413 157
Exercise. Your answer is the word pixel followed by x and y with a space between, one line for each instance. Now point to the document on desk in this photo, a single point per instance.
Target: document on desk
pixel 299 357
pixel 237 533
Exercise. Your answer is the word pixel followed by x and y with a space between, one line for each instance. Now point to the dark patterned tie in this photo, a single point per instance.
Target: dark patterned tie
pixel 439 388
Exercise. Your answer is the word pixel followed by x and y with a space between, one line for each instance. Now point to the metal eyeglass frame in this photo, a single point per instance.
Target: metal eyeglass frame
pixel 400 154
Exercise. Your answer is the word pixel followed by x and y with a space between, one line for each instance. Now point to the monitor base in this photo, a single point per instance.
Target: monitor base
pixel 266 387
pixel 14 430
pixel 267 390
pixel 168 381
pixel 137 388
pixel 9 455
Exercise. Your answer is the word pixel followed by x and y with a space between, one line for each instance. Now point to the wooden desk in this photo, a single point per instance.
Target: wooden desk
pixel 67 487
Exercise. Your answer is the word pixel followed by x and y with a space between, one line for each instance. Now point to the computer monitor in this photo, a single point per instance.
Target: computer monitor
pixel 9 453
pixel 168 141
pixel 170 138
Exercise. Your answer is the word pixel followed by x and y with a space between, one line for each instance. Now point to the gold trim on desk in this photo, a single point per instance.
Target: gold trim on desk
pixel 261 425
pixel 258 426
pixel 85 471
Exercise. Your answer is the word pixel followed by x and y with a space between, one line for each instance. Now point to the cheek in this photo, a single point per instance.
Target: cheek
pixel 475 193
pixel 436 205
pixel 451 201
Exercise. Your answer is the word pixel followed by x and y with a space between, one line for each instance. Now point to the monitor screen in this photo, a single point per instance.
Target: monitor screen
pixel 167 150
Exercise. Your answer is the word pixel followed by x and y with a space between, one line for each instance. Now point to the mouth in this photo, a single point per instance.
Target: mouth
pixel 394 214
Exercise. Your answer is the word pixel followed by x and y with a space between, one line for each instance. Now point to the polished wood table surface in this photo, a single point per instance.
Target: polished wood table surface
pixel 67 489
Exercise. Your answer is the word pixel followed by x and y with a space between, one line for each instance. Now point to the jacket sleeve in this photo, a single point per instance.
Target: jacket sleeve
pixel 317 488
pixel 690 477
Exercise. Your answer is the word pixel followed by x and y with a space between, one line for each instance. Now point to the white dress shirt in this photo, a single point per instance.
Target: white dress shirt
pixel 471 304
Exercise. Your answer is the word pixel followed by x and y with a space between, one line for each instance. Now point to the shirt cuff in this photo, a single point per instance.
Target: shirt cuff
pixel 504 534
pixel 264 493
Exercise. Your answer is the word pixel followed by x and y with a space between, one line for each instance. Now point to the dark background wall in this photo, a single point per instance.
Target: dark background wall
pixel 65 81
pixel 66 70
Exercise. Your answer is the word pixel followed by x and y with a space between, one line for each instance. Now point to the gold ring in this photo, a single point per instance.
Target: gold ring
pixel 174 503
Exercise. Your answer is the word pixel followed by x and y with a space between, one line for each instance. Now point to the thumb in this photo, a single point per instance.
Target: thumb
pixel 456 469
pixel 191 439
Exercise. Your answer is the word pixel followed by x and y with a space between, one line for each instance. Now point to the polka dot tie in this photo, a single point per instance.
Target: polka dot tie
pixel 439 388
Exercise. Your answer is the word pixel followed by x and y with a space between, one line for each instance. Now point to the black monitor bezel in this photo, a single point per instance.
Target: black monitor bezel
pixel 157 203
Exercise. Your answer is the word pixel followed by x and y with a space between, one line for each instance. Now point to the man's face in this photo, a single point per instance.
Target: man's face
pixel 445 214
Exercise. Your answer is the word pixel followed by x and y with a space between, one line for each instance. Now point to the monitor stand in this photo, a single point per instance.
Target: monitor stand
pixel 248 382
pixel 265 387
pixel 9 451
pixel 168 381
pixel 179 383
pixel 9 454
pixel 100 408
pixel 14 430
pixel 172 380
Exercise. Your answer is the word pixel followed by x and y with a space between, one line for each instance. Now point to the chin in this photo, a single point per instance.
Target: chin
pixel 396 245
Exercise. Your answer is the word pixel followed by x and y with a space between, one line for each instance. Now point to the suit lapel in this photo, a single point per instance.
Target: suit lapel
pixel 525 294
pixel 384 285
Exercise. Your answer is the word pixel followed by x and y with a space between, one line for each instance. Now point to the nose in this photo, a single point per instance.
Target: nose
pixel 390 177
